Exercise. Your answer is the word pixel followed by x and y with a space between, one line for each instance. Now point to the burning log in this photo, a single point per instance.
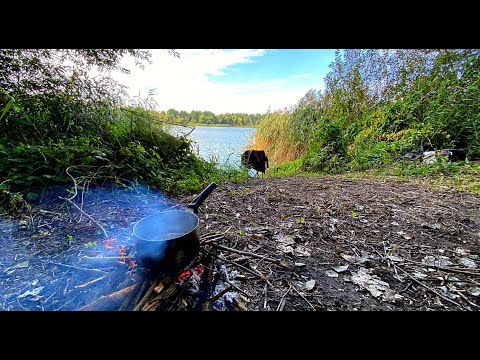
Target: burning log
pixel 145 298
pixel 108 302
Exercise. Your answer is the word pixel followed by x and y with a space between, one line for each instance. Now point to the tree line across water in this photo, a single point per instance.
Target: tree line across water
pixel 173 116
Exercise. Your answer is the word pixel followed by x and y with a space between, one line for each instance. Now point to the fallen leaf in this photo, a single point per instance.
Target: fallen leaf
pixel 440 261
pixel 390 296
pixel 475 291
pixel 469 263
pixel 23 264
pixel 372 283
pixel 33 293
pixel 404 235
pixel 331 273
pixel 461 251
pixel 309 285
pixel 354 259
pixel 395 258
pixel 284 239
pixel 340 268
pixel 349 258
pixel 434 226
pixel 447 293
pixel 285 249
pixel 301 250
pixel 419 275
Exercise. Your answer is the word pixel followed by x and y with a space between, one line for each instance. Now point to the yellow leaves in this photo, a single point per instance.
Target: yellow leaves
pixel 394 136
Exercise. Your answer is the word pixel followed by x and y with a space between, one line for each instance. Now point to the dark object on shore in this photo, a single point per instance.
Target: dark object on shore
pixel 255 159
pixel 453 154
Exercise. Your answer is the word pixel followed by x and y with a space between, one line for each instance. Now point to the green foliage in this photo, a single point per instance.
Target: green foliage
pixel 57 124
pixel 326 149
pixel 379 105
pixel 289 168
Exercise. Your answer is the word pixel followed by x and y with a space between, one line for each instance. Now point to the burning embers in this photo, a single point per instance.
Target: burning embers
pixel 120 250
pixel 191 279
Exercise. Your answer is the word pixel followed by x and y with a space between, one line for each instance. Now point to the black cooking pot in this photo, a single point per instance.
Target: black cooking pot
pixel 168 241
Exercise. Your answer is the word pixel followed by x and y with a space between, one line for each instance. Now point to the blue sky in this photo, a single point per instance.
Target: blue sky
pixel 234 80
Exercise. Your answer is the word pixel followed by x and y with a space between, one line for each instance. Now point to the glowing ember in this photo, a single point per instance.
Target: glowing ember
pixel 184 276
pixel 109 243
pixel 122 249
pixel 196 272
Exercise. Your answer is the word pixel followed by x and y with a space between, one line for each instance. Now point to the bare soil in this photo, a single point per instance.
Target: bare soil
pixel 290 244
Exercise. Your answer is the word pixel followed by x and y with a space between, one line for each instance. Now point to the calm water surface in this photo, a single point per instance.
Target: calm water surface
pixel 224 145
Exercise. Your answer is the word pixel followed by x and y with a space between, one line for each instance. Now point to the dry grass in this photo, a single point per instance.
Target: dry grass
pixel 273 135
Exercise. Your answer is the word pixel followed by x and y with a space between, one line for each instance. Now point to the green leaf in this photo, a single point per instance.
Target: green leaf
pixel 355 214
pixel 32 196
pixel 6 108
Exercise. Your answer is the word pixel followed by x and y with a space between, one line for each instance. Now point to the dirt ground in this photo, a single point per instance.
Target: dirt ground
pixel 291 244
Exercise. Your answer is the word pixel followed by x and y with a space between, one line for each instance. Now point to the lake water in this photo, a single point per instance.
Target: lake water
pixel 224 145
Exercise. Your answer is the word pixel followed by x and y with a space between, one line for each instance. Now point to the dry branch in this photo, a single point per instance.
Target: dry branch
pixel 427 287
pixel 303 297
pixel 88 216
pixel 145 297
pixel 256 273
pixel 281 305
pixel 90 282
pixel 108 302
pixel 263 257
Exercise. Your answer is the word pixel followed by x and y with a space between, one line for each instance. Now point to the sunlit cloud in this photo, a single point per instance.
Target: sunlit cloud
pixel 187 83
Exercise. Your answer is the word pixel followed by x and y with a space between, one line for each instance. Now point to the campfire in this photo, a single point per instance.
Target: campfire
pixel 198 288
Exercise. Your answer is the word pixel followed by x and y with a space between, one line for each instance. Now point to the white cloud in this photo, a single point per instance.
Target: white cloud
pixel 300 76
pixel 183 84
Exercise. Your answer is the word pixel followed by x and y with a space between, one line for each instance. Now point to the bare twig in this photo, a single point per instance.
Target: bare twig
pixel 90 282
pixel 465 298
pixel 230 283
pixel 88 216
pixel 281 305
pixel 256 273
pixel 263 257
pixel 303 297
pixel 220 294
pixel 427 287
pixel 458 270
pixel 76 267
pixel 214 237
pixel 265 301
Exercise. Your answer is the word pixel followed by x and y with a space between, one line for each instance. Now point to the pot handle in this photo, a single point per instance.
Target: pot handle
pixel 195 204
